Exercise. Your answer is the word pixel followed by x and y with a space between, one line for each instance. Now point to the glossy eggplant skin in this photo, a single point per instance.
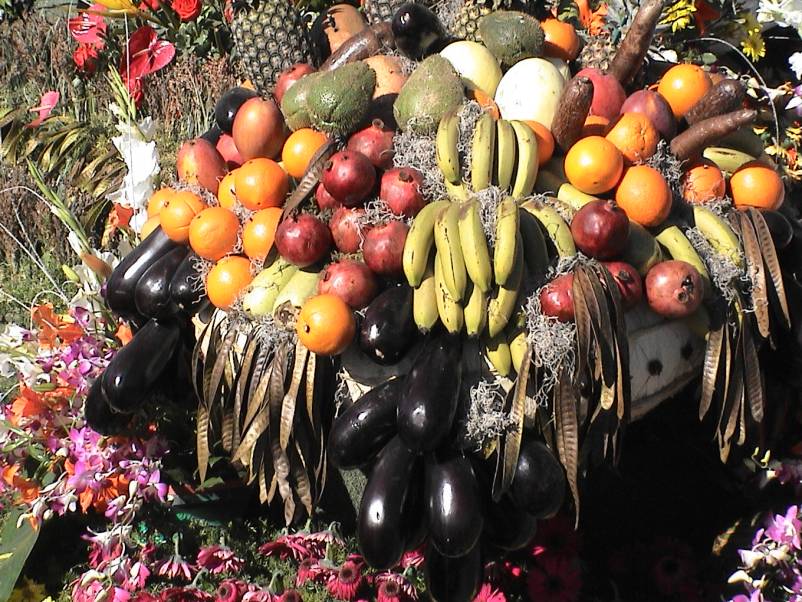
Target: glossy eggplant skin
pixel 508 527
pixel 152 292
pixel 453 579
pixel 380 525
pixel 212 135
pixel 227 106
pixel 139 364
pixel 364 428
pixel 539 483
pixel 99 415
pixel 429 401
pixel 417 31
pixel 388 329
pixel 453 504
pixel 121 285
pixel 414 514
pixel 183 286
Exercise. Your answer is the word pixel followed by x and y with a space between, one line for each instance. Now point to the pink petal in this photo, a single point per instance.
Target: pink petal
pixel 161 53
pixel 46 104
pixel 88 28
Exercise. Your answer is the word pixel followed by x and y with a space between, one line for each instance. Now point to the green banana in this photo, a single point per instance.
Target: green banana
pixel 536 251
pixel 474 246
pixel 503 302
pixel 301 286
pixel 265 287
pixel 505 154
pixel 424 301
pixel 517 341
pixel 446 147
pixel 680 248
pixel 556 228
pixel 505 250
pixel 448 308
pixel 497 351
pixel 419 242
pixel 475 311
pixel 449 250
pixel 482 151
pixel 527 166
pixel 642 251
pixel 719 234
pixel 726 159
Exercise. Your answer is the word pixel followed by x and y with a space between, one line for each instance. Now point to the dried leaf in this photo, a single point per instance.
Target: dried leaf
pixel 583 328
pixel 754 263
pixel 202 440
pixel 299 473
pixel 752 377
pixel 311 365
pixel 255 430
pixel 567 434
pixel 290 399
pixel 771 263
pixel 512 440
pixel 243 379
pixel 715 344
pixel 310 178
pixel 600 321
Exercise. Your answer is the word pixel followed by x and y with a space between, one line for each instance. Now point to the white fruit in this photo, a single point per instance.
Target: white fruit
pixel 531 89
pixel 475 64
pixel 561 65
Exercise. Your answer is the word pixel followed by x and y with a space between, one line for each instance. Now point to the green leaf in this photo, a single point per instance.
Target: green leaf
pixel 15 546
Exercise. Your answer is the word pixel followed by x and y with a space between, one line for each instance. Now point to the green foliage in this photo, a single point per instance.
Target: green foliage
pixel 22 284
pixel 15 546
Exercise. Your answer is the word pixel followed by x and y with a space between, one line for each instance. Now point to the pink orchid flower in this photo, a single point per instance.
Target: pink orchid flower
pixel 47 103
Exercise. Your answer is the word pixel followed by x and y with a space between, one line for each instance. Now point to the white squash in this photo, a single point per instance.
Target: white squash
pixel 531 89
pixel 562 67
pixel 475 64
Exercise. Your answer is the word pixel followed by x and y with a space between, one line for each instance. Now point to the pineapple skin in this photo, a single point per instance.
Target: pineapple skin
pixel 597 52
pixel 466 24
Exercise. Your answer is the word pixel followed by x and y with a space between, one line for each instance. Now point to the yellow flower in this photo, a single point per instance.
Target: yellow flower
pixel 29 591
pixel 125 5
pixel 753 45
pixel 679 15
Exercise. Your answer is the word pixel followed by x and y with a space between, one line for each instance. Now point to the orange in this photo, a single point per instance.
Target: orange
pixel 562 42
pixel 635 136
pixel 177 214
pixel 299 149
pixel 756 184
pixel 325 325
pixel 486 102
pixel 261 183
pixel 226 192
pixel 595 125
pixel 227 279
pixel 148 227
pixel 702 182
pixel 594 165
pixel 159 199
pixel 259 232
pixel 213 233
pixel 682 86
pixel 545 141
pixel 645 195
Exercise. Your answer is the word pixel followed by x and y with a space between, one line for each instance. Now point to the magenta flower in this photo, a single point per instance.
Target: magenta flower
pixel 290 595
pixel 310 569
pixel 88 27
pixel 554 579
pixel 219 559
pixel 556 536
pixel 145 54
pixel 391 583
pixel 175 567
pixel 488 594
pixel 182 594
pixel 413 558
pixel 785 529
pixel 231 590
pixel 46 105
pixel 346 583
pixel 137 577
pixel 261 595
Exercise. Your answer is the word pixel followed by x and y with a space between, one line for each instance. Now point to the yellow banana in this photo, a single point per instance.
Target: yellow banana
pixel 680 248
pixel 727 159
pixel 559 232
pixel 475 311
pixel 497 351
pixel 258 300
pixel 503 302
pixel 449 309
pixel 301 286
pixel 527 166
pixel 457 191
pixel 482 151
pixel 474 246
pixel 536 251
pixel 506 248
pixel 424 301
pixel 419 242
pixel 505 154
pixel 449 250
pixel 719 234
pixel 573 197
pixel 517 341
pixel 446 147
pixel 642 250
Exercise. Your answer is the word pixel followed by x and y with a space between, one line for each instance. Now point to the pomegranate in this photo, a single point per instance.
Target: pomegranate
pixel 303 239
pixel 352 281
pixel 629 282
pixel 400 189
pixel 346 230
pixel 324 199
pixel 375 142
pixel 600 229
pixel 349 176
pixel 198 162
pixel 674 289
pixel 289 77
pixel 383 248
pixel 228 150
pixel 557 298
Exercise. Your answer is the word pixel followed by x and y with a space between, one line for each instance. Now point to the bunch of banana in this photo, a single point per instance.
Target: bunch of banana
pixel 503 154
pixel 277 284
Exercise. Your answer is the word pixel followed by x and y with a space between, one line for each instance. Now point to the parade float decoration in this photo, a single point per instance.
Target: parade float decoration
pixel 442 248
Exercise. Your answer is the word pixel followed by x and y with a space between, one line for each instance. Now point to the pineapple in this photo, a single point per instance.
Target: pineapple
pixel 597 52
pixel 270 36
pixel 377 11
pixel 465 23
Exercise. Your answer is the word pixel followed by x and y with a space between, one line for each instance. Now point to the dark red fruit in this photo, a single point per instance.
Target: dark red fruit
pixel 400 189
pixel 557 298
pixel 346 229
pixel 289 77
pixel 228 150
pixel 376 143
pixel 324 199
pixel 303 239
pixel 629 282
pixel 349 177
pixel 600 229
pixel 352 281
pixel 674 289
pixel 383 248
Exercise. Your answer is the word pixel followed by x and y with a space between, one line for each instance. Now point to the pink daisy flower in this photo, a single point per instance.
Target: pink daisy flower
pixel 554 579
pixel 219 559
pixel 345 584
pixel 488 594
pixel 290 595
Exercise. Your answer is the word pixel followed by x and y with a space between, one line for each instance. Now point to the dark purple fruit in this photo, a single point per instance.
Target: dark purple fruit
pixel 539 483
pixel 227 106
pixel 453 579
pixel 152 292
pixel 388 329
pixel 417 31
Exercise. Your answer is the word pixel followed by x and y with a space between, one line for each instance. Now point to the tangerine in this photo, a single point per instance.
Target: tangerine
pixel 226 192
pixel 260 232
pixel 756 184
pixel 562 41
pixel 545 141
pixel 594 165
pixel 227 279
pixel 149 226
pixel 213 233
pixel 595 125
pixel 326 325
pixel 261 183
pixel 177 214
pixel 682 86
pixel 486 102
pixel 644 195
pixel 635 136
pixel 159 199
pixel 299 149
pixel 702 182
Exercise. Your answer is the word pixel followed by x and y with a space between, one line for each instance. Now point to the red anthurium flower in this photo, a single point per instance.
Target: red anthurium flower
pixel 46 104
pixel 145 54
pixel 88 27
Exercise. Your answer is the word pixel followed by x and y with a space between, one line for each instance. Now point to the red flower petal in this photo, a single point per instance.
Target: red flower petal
pixel 145 54
pixel 88 28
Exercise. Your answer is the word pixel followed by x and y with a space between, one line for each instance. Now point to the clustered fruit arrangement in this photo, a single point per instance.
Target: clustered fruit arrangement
pixel 502 256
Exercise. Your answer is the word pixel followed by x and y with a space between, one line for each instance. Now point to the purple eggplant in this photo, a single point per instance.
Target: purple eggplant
pixel 507 527
pixel 99 415
pixel 453 579
pixel 152 292
pixel 388 329
pixel 227 106
pixel 186 289
pixel 539 483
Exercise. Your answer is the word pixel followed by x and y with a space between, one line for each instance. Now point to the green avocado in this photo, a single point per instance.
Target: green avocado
pixel 433 89
pixel 294 103
pixel 340 99
pixel 511 36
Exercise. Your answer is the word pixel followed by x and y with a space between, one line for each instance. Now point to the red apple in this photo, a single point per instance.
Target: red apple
pixel 557 298
pixel 346 229
pixel 228 150
pixel 608 95
pixel 375 142
pixel 198 162
pixel 600 229
pixel 349 177
pixel 655 107
pixel 383 248
pixel 400 189
pixel 324 199
pixel 259 129
pixel 352 281
pixel 303 239
pixel 674 289
pixel 629 282
pixel 289 77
